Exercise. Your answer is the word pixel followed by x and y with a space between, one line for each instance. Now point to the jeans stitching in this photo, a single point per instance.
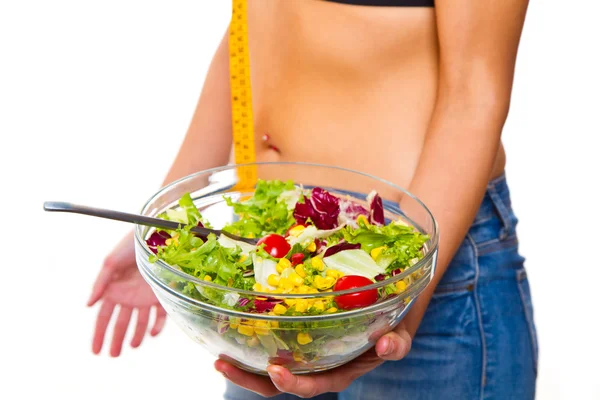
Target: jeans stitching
pixel 528 319
pixel 479 318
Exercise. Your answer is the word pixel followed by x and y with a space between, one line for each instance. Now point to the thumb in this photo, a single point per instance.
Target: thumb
pixel 122 257
pixel 394 345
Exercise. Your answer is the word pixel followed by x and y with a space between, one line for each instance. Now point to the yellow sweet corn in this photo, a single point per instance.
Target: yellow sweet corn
pixel 251 235
pixel 303 289
pixel 303 338
pixel 261 327
pixel 283 264
pixel 319 306
pixel 301 305
pixel 317 263
pixel 233 325
pixel 312 290
pixel 289 302
pixel 275 324
pixel 296 279
pixel 312 247
pixel 245 330
pixel 362 218
pixel 300 270
pixel 335 274
pixel 332 310
pixel 296 231
pixel 273 280
pixel 323 283
pixel 207 278
pixel 377 251
pixel 279 309
pixel 400 286
pixel 297 356
pixel 257 287
pixel 286 284
pixel 243 258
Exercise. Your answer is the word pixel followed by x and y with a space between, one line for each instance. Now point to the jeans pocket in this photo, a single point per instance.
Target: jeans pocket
pixel 525 293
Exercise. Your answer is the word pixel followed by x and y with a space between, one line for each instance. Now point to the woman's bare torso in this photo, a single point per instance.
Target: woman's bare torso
pixel 344 85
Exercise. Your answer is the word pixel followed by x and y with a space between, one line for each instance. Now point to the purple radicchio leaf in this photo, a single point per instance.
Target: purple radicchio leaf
pixel 376 209
pixel 265 305
pixel 340 247
pixel 322 208
pixel 158 238
pixel 243 301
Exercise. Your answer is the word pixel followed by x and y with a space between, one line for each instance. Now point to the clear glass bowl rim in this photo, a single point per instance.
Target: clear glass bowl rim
pixel 431 244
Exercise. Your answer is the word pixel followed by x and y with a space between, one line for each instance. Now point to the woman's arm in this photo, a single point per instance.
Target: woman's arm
pixel 208 140
pixel 478 49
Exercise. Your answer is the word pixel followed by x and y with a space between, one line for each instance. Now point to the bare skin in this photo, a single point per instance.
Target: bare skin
pixel 416 96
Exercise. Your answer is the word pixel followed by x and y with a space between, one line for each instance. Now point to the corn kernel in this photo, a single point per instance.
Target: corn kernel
pixel 283 264
pixel 251 235
pixel 207 278
pixel 261 327
pixel 377 251
pixel 323 283
pixel 312 247
pixel 273 280
pixel 297 356
pixel 300 270
pixel 363 219
pixel 303 289
pixel 334 273
pixel 286 284
pixel 332 310
pixel 279 309
pixel 318 264
pixel 303 338
pixel 296 231
pixel 301 305
pixel 243 258
pixel 319 306
pixel 257 287
pixel 278 290
pixel 312 290
pixel 245 330
pixel 233 325
pixel 275 324
pixel 296 280
pixel 289 302
pixel 400 286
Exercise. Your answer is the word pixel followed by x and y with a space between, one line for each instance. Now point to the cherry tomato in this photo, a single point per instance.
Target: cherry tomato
pixel 354 300
pixel 275 245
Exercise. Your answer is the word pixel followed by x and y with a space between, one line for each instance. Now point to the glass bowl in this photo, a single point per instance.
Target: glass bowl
pixel 302 343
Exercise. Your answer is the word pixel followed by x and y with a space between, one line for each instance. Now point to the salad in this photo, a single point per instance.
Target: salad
pixel 310 241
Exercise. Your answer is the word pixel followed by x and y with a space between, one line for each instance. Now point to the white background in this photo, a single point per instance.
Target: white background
pixel 95 97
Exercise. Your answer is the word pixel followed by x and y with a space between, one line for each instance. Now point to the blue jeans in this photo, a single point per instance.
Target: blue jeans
pixel 477 339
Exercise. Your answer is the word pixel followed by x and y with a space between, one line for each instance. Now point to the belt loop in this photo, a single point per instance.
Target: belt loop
pixel 502 211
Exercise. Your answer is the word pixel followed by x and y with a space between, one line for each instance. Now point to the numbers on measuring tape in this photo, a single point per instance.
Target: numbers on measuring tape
pixel 241 95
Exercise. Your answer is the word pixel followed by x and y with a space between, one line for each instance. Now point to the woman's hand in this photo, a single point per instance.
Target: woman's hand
pixel 391 346
pixel 120 283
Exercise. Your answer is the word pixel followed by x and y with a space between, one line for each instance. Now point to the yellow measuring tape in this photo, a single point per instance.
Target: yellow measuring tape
pixel 241 95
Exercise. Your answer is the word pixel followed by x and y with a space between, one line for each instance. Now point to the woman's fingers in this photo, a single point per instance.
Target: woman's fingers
pixel 255 383
pixel 394 345
pixel 159 323
pixel 143 316
pixel 101 324
pixel 120 330
pixel 102 281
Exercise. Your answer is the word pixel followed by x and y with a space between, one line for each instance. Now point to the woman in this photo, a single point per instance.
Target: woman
pixel 416 94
